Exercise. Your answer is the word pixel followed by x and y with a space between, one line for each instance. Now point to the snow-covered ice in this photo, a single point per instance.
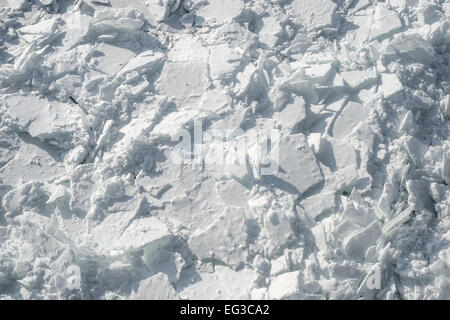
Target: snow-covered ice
pixel 212 149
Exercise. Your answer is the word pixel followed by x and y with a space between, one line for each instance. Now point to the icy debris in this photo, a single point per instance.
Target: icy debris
pixel 315 73
pixel 292 114
pixel 24 198
pixel 223 61
pixel 280 265
pixel 169 255
pixel 53 122
pixel 15 4
pixel 360 79
pixel 182 80
pixel 407 124
pixel 391 86
pixel 224 240
pixel 419 195
pixel 388 197
pixel 429 13
pixel 278 230
pixel 315 15
pixel 42 29
pixel 220 12
pixel 137 233
pixel 216 101
pixel 419 99
pixel 156 287
pixel 297 163
pixel 446 166
pixel 320 204
pixel 286 286
pixel 356 244
pixel 146 62
pixel 270 31
pixel 415 149
pixel 232 193
pixel 390 227
pixel 408 48
pixel 360 5
pixel 111 59
pixel 445 107
pixel 155 11
pixel 385 23
pixel 224 283
pixel 349 119
pixel 93 92
pixel 108 21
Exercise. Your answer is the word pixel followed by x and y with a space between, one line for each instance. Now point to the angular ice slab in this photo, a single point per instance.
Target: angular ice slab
pixel 297 163
pixel 385 22
pixel 352 115
pixel 224 240
pixel 315 15
pixel 61 124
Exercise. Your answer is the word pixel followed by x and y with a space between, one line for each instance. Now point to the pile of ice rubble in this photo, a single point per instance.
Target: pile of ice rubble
pixel 93 206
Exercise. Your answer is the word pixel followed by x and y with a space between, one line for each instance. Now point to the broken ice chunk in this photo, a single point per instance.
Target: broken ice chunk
pixel 445 107
pixel 15 4
pixel 292 114
pixel 280 265
pixel 356 214
pixel 407 123
pixel 140 232
pixel 220 11
pixel 315 15
pixel 360 78
pixel 225 239
pixel 223 61
pixel 270 31
pixel 147 61
pixel 343 178
pixel 446 166
pixel 316 73
pixel 216 101
pixel 169 255
pixel 50 121
pixel 24 198
pixel 232 193
pixel 388 197
pixel 389 227
pixel 245 79
pixel 356 245
pixel 353 114
pixel 415 149
pixel 44 28
pixel 319 73
pixel 297 163
pixel 286 286
pixel 409 48
pixel 109 20
pixel 419 99
pixel 153 10
pixel 419 195
pixel 110 59
pixel 319 204
pixel 391 86
pixel 183 79
pixel 429 13
pixel 156 287
pixel 336 154
pixel 385 23
pixel 278 229
pixel 224 283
